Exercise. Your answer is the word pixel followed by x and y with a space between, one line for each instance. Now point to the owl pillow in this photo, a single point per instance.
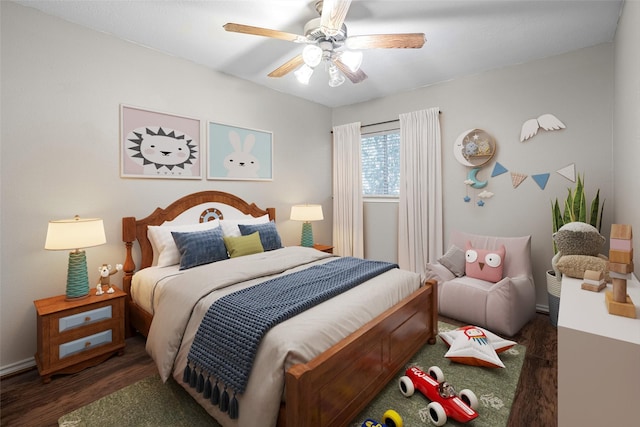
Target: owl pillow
pixel 484 264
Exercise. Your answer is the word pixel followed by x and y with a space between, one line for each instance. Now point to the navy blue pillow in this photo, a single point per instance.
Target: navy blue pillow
pixel 200 247
pixel 269 236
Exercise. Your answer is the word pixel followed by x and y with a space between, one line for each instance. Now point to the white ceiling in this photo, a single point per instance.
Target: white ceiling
pixel 463 37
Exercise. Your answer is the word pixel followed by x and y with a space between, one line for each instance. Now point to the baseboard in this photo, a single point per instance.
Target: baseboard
pixel 542 308
pixel 16 367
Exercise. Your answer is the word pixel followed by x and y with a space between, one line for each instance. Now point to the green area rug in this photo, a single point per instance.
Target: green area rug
pixel 494 387
pixel 149 402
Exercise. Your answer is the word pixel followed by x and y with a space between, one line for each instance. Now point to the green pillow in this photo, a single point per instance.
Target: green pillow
pixel 243 245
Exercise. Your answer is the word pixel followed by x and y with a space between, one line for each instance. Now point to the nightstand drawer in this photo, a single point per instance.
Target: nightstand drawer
pixel 84 318
pixel 86 343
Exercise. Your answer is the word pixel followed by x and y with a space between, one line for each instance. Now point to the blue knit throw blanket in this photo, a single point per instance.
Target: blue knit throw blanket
pixel 227 340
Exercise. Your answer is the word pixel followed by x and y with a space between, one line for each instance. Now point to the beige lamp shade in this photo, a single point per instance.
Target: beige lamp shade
pixel 76 233
pixel 306 213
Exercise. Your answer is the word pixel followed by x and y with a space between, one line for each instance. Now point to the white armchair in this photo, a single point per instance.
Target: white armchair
pixel 503 307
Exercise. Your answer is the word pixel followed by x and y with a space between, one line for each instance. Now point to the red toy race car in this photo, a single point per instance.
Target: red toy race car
pixel 390 419
pixel 445 402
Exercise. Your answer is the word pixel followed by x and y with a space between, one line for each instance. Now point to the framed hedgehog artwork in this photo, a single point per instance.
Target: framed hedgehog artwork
pixel 239 153
pixel 159 145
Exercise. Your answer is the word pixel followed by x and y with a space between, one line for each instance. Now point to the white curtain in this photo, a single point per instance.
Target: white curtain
pixel 420 209
pixel 348 228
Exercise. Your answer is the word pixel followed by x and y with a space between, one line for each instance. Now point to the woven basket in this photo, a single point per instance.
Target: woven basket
pixel 553 284
pixel 554 309
pixel 553 292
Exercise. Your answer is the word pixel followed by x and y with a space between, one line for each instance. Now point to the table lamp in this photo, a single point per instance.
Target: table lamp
pixel 306 213
pixel 75 234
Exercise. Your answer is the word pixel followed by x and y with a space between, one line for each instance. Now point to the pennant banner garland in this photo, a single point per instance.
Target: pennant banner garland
pixel 541 180
pixel 568 172
pixel 498 169
pixel 517 178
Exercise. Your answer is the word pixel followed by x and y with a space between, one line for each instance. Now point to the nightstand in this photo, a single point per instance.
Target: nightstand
pixel 73 335
pixel 323 248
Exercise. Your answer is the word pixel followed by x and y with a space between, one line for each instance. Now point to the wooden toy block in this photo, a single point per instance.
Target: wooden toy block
pixel 620 244
pixel 593 281
pixel 620 267
pixel 623 276
pixel 619 290
pixel 623 257
pixel 626 309
pixel 621 231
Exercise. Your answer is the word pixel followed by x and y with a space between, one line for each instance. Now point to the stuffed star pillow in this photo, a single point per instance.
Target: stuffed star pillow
pixel 472 345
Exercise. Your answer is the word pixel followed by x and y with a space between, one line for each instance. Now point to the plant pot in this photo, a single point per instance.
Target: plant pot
pixel 553 292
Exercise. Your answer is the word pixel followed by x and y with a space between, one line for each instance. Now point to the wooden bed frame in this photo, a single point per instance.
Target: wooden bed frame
pixel 333 388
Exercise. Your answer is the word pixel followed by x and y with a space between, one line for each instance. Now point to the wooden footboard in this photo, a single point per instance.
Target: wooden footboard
pixel 333 388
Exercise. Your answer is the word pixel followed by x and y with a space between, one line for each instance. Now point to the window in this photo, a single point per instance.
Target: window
pixel 381 164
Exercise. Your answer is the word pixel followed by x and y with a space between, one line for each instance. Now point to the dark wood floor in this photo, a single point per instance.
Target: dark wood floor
pixel 26 401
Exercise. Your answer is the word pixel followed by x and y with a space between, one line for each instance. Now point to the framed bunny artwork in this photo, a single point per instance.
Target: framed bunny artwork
pixel 239 153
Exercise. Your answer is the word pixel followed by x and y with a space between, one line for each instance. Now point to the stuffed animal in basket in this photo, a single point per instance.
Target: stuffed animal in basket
pixel 105 272
pixel 579 245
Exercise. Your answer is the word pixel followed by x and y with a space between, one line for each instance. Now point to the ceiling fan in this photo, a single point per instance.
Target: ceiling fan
pixel 325 38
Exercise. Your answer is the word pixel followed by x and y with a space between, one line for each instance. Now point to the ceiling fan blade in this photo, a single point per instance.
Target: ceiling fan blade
pixel 333 14
pixel 354 76
pixel 386 41
pixel 265 32
pixel 287 67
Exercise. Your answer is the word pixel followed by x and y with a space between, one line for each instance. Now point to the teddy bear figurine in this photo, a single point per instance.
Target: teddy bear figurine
pixel 105 271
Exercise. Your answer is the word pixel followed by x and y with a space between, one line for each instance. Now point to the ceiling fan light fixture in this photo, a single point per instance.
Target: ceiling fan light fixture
pixel 303 74
pixel 335 76
pixel 312 55
pixel 352 59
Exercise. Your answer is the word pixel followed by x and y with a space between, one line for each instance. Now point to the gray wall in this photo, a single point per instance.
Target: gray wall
pixel 61 90
pixel 577 87
pixel 626 134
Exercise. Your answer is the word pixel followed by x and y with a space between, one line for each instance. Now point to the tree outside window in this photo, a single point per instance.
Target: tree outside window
pixel 381 164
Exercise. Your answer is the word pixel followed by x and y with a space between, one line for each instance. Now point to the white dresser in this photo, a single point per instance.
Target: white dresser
pixel 598 359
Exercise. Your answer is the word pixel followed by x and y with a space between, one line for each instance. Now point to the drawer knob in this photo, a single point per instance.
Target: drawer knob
pixel 87 344
pixel 87 319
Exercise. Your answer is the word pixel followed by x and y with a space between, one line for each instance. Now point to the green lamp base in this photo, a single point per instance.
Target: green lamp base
pixel 307 235
pixel 77 278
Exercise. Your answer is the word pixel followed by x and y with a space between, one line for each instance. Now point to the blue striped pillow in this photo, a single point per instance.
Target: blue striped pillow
pixel 200 247
pixel 269 236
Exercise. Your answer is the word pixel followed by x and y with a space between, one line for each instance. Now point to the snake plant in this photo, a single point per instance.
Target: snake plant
pixel 575 209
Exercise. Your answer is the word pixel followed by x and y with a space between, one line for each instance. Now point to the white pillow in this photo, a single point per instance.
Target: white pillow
pixel 230 226
pixel 164 247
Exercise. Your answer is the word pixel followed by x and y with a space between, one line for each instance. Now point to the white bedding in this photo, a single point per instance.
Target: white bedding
pixel 183 299
pixel 146 286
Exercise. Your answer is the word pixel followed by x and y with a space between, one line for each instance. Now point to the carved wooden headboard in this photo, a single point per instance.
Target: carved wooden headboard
pixel 193 208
